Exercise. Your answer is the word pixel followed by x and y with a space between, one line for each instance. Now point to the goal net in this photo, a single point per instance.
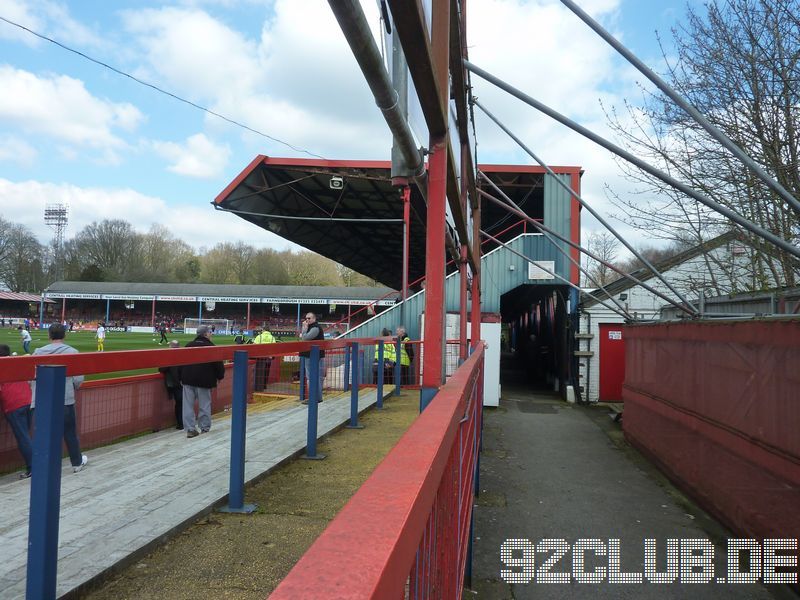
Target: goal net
pixel 219 326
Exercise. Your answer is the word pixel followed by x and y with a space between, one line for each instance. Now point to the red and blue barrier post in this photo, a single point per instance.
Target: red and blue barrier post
pixel 314 397
pixel 238 430
pixel 346 367
pixel 355 374
pixel 397 372
pixel 46 482
pixel 379 399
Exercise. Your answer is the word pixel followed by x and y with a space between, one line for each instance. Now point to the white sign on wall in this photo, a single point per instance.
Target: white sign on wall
pixel 615 335
pixel 535 272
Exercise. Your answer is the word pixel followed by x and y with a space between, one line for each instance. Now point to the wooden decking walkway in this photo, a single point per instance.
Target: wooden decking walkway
pixel 134 493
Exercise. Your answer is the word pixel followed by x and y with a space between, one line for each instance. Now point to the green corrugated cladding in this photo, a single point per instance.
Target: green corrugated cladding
pixel 557 214
pixel 498 276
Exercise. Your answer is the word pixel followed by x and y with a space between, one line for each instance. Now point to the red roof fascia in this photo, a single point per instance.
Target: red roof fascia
pixel 239 179
pixel 528 169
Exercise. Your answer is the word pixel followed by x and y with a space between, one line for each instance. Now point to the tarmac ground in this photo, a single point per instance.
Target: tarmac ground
pixel 556 471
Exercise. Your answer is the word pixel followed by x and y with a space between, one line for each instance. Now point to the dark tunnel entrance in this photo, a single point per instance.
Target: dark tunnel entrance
pixel 537 337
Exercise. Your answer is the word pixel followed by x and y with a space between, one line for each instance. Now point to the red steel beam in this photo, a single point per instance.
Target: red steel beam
pixel 433 335
pixel 475 319
pixel 438 168
pixel 575 226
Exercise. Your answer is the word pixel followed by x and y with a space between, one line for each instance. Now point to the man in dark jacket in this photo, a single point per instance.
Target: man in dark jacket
pixel 172 381
pixel 312 331
pixel 198 381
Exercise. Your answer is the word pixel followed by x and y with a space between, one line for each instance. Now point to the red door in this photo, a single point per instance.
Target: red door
pixel 612 362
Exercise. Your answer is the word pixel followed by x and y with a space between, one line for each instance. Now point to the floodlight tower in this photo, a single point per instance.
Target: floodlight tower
pixel 56 216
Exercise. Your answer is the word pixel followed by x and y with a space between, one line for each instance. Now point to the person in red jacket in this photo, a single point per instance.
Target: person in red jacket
pixel 15 398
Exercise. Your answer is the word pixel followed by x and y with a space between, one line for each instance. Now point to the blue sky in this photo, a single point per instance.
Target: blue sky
pixel 71 130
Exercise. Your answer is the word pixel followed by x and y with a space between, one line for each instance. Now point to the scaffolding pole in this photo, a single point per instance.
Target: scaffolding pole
pixel 587 252
pixel 583 203
pixel 644 166
pixel 680 101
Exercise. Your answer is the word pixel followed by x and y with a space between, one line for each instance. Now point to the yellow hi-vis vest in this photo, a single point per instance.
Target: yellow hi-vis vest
pixel 388 352
pixel 405 359
pixel 265 337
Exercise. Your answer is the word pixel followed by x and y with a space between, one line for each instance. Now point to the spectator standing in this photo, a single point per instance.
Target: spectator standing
pixel 312 330
pixel 406 355
pixel 388 358
pixel 15 399
pixel 262 364
pixel 172 381
pixel 101 337
pixel 26 339
pixel 56 333
pixel 198 381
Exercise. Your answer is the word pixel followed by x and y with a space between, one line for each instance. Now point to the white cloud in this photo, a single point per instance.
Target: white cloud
pixel 198 157
pixel 197 223
pixel 47 18
pixel 16 150
pixel 299 82
pixel 61 107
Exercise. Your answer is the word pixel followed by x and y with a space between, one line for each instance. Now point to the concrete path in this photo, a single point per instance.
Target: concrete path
pixel 553 470
pixel 134 493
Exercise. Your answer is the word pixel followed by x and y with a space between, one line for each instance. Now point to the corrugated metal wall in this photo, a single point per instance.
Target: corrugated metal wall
pixel 557 216
pixel 715 404
pixel 498 278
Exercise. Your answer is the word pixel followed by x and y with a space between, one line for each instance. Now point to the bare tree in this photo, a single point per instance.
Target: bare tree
pixel 605 246
pixel 739 65
pixel 22 259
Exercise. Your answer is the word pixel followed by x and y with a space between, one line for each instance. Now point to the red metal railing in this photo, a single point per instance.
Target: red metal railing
pixel 112 409
pixel 405 533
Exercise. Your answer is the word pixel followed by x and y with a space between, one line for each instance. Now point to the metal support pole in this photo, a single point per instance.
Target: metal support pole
pixel 406 238
pixel 63 309
pixel 585 205
pixel 46 483
pixel 41 312
pixel 644 166
pixel 358 34
pixel 303 368
pixel 346 368
pixel 153 314
pixel 379 374
pixel 355 374
pixel 238 430
pixel 397 370
pixel 315 395
pixel 247 324
pixel 611 266
pixel 475 318
pixel 432 371
pixel 680 101
pixel 462 309
pixel 200 313
pixel 108 309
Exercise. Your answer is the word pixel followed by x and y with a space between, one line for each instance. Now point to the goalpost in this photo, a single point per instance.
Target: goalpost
pixel 221 326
